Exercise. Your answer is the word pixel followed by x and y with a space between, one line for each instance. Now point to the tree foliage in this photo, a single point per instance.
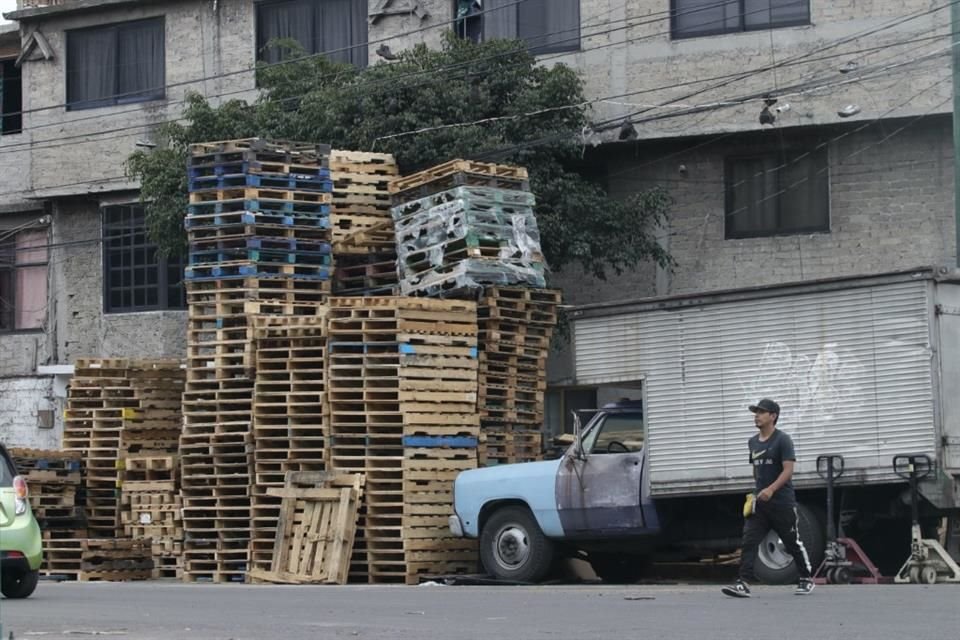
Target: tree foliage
pixel 489 101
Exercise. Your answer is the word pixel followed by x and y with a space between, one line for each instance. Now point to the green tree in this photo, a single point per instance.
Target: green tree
pixel 489 101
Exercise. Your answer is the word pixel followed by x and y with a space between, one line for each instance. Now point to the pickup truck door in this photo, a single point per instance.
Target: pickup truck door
pixel 600 496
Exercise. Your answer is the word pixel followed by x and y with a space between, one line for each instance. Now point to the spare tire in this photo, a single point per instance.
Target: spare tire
pixel 775 566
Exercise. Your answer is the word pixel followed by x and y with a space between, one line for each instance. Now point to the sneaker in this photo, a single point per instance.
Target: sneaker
pixel 739 589
pixel 805 586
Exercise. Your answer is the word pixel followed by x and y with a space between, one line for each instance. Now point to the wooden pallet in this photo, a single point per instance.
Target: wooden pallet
pixel 363 162
pixel 305 154
pixel 316 529
pixel 506 447
pixel 510 174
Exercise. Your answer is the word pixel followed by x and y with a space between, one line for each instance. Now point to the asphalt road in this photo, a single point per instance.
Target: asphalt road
pixel 155 610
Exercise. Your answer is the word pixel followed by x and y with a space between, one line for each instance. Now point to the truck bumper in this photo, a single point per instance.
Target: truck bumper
pixel 456 526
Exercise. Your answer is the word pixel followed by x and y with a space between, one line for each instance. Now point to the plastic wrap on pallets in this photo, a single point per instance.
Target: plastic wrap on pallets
pixel 487 216
pixel 472 274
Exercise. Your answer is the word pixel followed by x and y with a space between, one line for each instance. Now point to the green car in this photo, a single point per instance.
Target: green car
pixel 20 542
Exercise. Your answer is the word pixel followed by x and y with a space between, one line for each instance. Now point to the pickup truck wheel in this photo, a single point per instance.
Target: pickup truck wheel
pixel 20 584
pixel 512 546
pixel 775 566
pixel 616 568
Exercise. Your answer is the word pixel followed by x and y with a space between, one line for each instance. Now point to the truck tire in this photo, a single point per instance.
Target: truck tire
pixel 19 584
pixel 617 568
pixel 512 546
pixel 775 566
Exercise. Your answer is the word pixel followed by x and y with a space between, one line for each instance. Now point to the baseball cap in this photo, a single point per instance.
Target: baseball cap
pixel 767 405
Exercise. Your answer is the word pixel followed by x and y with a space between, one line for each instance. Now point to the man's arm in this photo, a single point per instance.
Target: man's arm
pixel 781 480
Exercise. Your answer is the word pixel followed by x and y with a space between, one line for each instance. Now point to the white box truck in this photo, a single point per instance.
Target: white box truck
pixel 866 368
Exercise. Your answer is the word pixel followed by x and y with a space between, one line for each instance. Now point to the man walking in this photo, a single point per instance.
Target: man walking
pixel 775 504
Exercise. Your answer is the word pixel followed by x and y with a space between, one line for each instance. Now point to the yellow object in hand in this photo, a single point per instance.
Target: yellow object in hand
pixel 749 505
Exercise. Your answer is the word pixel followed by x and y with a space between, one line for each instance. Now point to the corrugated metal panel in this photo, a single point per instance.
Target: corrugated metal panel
pixel 851 370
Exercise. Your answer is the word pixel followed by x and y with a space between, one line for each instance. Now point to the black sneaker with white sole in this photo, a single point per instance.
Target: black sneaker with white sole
pixel 805 586
pixel 738 589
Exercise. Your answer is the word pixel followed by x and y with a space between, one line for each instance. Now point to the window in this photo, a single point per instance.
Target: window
pixel 136 278
pixel 115 64
pixel 23 280
pixel 11 98
pixel 335 27
pixel 616 434
pixel 547 26
pixel 692 18
pixel 777 194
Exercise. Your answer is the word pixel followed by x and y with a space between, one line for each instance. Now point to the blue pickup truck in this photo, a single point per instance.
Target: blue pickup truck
pixel 595 502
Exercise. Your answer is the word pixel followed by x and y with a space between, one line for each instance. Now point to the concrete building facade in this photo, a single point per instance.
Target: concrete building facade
pixel 854 175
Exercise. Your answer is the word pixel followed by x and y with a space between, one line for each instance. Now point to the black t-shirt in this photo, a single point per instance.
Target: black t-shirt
pixel 767 459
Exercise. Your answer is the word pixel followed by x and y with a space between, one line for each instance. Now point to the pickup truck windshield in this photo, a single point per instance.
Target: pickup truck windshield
pixel 613 431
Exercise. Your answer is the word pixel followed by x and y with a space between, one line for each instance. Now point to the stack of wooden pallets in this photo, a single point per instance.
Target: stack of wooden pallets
pixel 258 227
pixel 55 481
pixel 150 493
pixel 361 190
pixel 111 560
pixel 367 262
pixel 98 395
pixel 402 396
pixel 115 407
pixel 464 225
pixel 363 237
pixel 289 419
pixel 516 325
pixel 150 509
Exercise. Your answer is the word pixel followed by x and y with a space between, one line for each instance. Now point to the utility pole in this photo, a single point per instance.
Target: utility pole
pixel 955 57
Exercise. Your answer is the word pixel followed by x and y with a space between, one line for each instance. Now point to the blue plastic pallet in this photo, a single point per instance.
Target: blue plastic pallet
pixel 274 256
pixel 435 442
pixel 234 218
pixel 256 206
pixel 295 181
pixel 281 244
pixel 411 349
pixel 252 167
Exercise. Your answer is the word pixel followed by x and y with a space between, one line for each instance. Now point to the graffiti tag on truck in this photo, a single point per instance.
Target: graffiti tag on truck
pixel 811 387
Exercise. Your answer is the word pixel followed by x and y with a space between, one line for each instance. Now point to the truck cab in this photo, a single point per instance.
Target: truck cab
pixel 594 498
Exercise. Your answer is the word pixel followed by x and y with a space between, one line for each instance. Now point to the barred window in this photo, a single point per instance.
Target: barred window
pixel 136 277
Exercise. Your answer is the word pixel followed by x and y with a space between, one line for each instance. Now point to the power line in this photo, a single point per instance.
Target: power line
pixel 61 141
pixel 870 31
pixel 528 46
pixel 825 144
pixel 741 100
pixel 107 180
pixel 577 37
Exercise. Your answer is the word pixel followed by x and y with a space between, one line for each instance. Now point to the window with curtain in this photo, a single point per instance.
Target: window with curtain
pixel 136 276
pixel 547 26
pixel 692 18
pixel 115 64
pixel 23 280
pixel 778 194
pixel 336 28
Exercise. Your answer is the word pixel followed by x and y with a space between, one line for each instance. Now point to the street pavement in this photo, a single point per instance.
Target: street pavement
pixel 162 610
